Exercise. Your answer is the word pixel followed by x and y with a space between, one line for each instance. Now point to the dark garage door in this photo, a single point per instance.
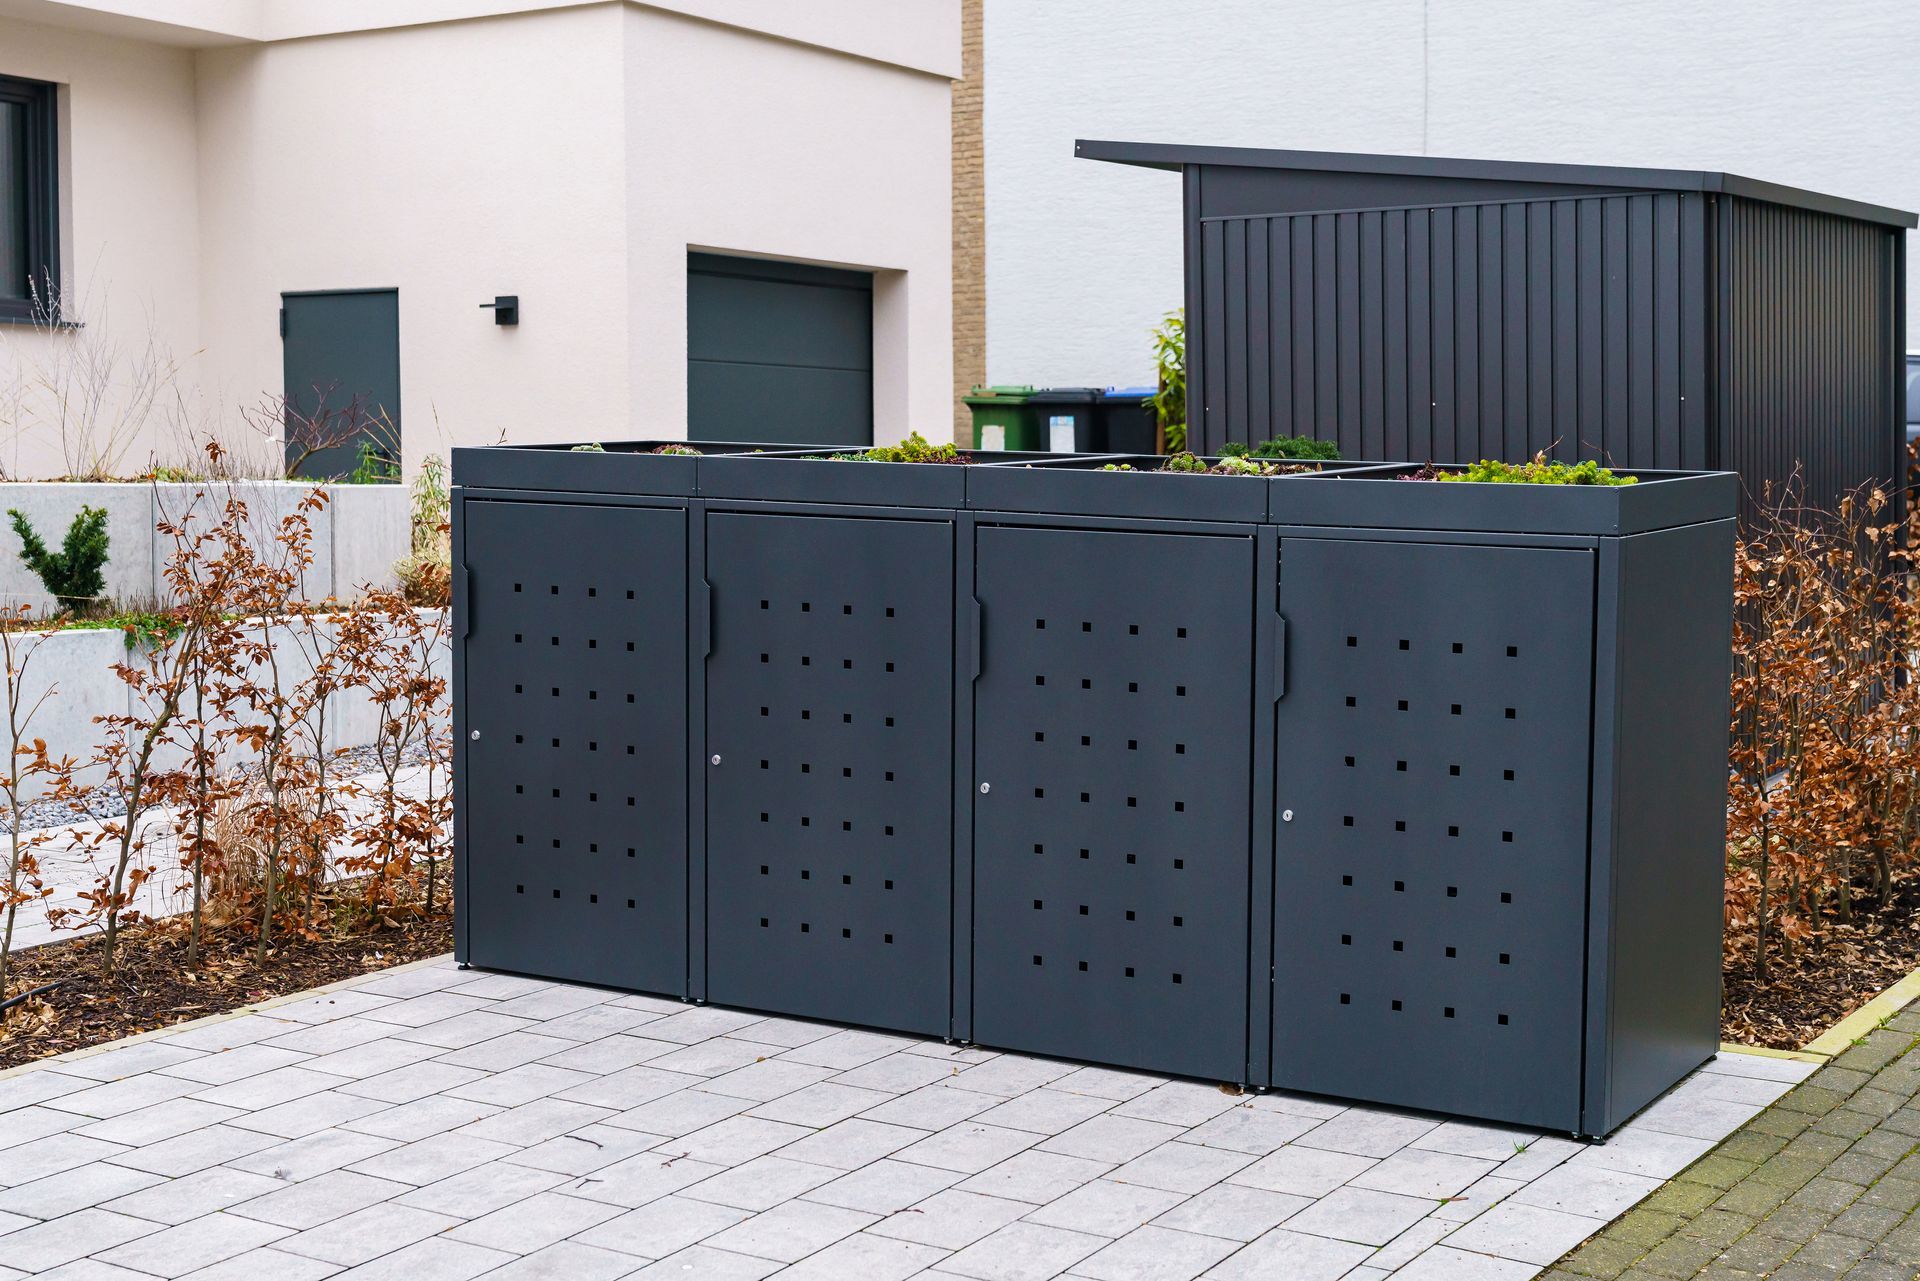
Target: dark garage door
pixel 778 351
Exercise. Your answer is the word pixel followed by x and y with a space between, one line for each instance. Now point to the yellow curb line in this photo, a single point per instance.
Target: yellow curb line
pixel 87 1052
pixel 1798 1056
pixel 1868 1017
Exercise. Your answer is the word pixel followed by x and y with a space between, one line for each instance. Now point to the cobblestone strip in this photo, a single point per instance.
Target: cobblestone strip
pixel 1821 1186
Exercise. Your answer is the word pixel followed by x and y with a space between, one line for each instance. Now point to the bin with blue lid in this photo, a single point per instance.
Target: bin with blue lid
pixel 1125 421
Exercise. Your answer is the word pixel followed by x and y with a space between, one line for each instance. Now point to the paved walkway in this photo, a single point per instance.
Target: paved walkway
pixel 430 1124
pixel 1822 1185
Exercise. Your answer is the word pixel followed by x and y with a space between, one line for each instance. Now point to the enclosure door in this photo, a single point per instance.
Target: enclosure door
pixel 1431 850
pixel 340 368
pixel 576 699
pixel 1113 754
pixel 829 787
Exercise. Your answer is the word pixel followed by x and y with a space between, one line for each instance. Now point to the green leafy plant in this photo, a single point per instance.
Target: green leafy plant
pixel 597 448
pixel 1325 451
pixel 73 574
pixel 1170 358
pixel 1539 471
pixel 426 575
pixel 687 450
pixel 914 449
pixel 376 467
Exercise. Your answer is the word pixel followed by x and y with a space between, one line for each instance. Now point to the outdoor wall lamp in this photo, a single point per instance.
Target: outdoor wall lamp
pixel 505 308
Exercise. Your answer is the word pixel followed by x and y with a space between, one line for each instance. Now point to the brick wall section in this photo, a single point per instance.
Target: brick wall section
pixel 969 223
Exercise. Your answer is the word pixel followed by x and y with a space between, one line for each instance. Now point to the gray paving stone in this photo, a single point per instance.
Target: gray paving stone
pixel 128 1094
pixel 52 1155
pixel 533 1224
pixel 330 1038
pixel 898 1073
pixel 1105 1208
pixel 1156 1254
pixel 434 1260
pixel 185 1153
pixel 161 1121
pixel 1009 1074
pixel 1252 1130
pixel 312 1154
pixel 933 1108
pixel 502 1052
pixel 1111 1138
pixel 370 1058
pixel 414 980
pixel 594 1023
pixel 270 1088
pixel 535 1122
pixel 421 1118
pixel 681 1112
pixel 1527 1233
pixel 86 1185
pixel 662 1227
pixel 700 1263
pixel 1410 1244
pixel 482 1190
pixel 568 1261
pixel 202 1192
pixel 318 1200
pixel 1182 1167
pixel 1478 1138
pixel 712 1058
pixel 820 1105
pixel 463 1030
pixel 761 1183
pixel 1236 1213
pixel 786 1033
pixel 866 1257
pixel 84 1270
pixel 884 1186
pixel 791 1231
pixel 640 1179
pixel 365 1235
pixel 25 1125
pixel 266 1264
pixel 48 1245
pixel 629 1088
pixel 1355 1214
pixel 969 1147
pixel 499 987
pixel 430 1007
pixel 1116 1084
pixel 1308 1172
pixel 764 1080
pixel 431 1160
pixel 1581 1189
pixel 1443 1263
pixel 1362 1132
pixel 129 1060
pixel 1647 1152
pixel 324 1007
pixel 950 1219
pixel 843 1050
pixel 554 1002
pixel 1044 1111
pixel 298 1118
pixel 1432 1175
pixel 1023 1252
pixel 1035 1177
pixel 197 1243
pixel 227 1034
pixel 688 1026
pixel 1294 1256
pixel 28 1088
pixel 1185 1103
pixel 519 1085
pixel 418 1081
pixel 589 1148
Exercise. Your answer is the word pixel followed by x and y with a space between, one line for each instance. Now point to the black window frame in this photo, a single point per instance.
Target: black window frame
pixel 41 172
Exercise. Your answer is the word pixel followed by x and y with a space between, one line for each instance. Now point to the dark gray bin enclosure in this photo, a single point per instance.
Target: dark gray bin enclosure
pixel 1076 781
pixel 1418 307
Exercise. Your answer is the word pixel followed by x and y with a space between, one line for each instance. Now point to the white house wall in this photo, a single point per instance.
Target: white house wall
pixel 128 238
pixel 741 144
pixel 1084 257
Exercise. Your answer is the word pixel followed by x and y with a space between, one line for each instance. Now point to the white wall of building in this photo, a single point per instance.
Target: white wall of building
pixel 128 238
pixel 1084 257
pixel 570 153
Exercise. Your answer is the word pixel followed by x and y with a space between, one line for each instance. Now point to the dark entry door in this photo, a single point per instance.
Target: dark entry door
pixel 1431 853
pixel 778 352
pixel 1112 807
pixel 340 351
pixel 576 790
pixel 829 787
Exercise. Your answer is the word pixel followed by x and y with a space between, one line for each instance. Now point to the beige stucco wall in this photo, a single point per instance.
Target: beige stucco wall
pixel 568 153
pixel 128 239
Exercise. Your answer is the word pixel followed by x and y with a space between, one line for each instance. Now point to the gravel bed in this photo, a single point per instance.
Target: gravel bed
pixel 95 803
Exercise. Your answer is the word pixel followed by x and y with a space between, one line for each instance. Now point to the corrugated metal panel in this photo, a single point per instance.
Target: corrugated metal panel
pixel 1808 335
pixel 1495 329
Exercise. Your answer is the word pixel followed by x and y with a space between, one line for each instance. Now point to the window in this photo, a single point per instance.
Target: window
pixel 29 255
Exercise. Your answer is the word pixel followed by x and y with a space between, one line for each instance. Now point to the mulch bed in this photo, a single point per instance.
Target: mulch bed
pixel 153 988
pixel 1816 987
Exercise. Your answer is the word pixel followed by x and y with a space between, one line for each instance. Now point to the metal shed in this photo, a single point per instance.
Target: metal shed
pixel 1425 308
